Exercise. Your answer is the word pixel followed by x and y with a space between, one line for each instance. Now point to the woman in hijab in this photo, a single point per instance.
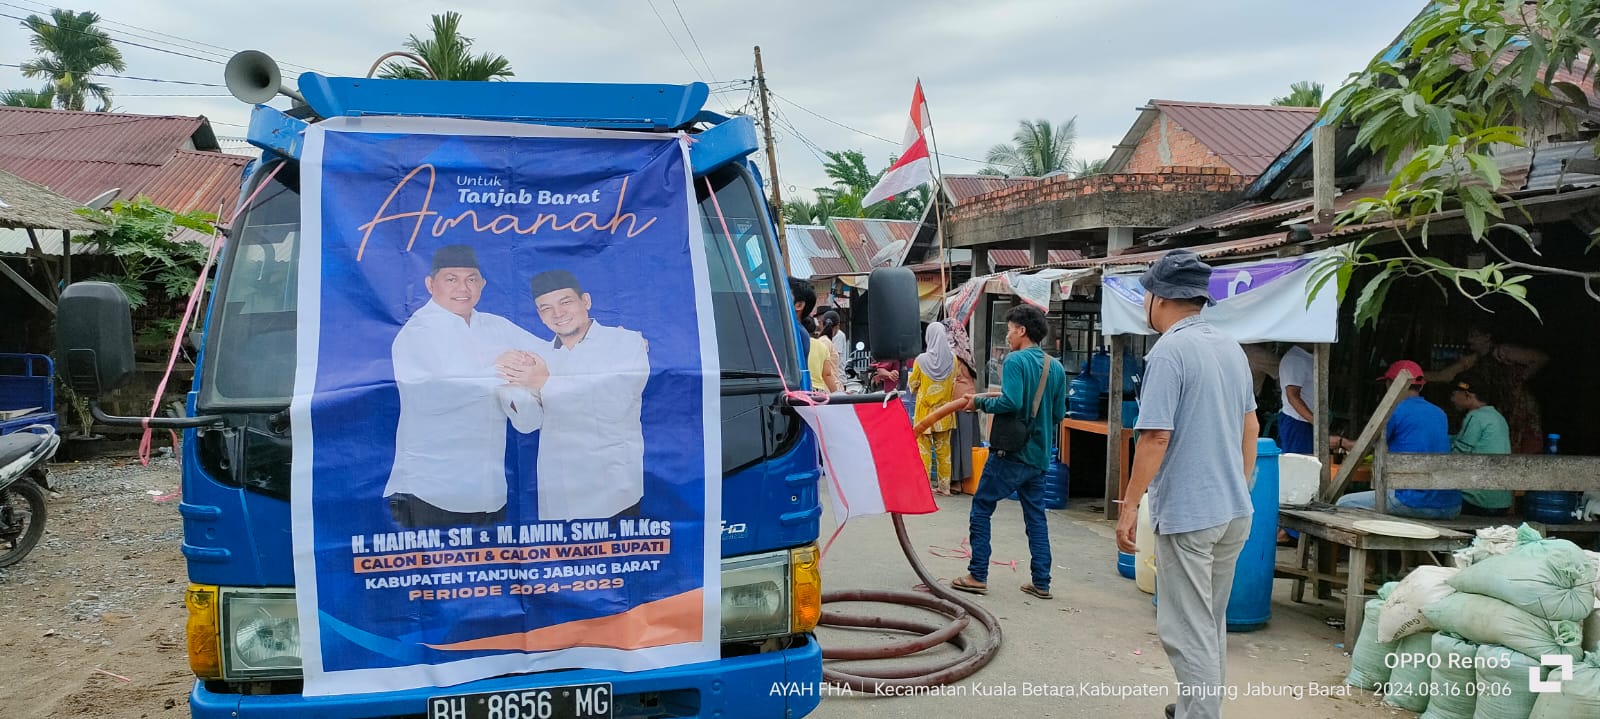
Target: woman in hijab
pixel 932 383
pixel 966 431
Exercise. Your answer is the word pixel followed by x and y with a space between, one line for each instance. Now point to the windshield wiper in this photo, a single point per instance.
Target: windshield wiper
pixel 749 374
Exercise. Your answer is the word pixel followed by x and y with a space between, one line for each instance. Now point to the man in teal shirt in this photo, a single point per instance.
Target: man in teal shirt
pixel 1023 471
pixel 1483 431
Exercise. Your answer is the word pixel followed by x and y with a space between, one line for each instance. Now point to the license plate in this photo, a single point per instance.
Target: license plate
pixel 579 701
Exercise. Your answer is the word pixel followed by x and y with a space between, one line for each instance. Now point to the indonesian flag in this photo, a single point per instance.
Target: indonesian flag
pixel 871 458
pixel 914 166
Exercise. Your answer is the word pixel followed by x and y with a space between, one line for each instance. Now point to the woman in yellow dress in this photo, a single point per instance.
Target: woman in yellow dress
pixel 932 383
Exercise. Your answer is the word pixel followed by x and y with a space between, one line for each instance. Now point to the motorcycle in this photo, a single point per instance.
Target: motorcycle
pixel 23 482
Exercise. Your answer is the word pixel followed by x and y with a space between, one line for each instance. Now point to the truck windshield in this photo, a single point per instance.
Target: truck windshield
pixel 250 353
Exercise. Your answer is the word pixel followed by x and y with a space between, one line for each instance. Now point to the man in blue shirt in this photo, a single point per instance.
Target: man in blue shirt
pixel 1023 471
pixel 1197 448
pixel 1416 427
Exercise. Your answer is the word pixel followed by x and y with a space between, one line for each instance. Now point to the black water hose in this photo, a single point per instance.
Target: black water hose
pixel 958 609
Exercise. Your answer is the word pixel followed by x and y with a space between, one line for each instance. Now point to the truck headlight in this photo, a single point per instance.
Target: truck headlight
pixel 770 595
pixel 260 634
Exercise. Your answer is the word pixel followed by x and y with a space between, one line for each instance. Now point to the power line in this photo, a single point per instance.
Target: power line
pixel 693 40
pixel 825 118
pixel 187 44
pixel 131 77
pixel 674 39
pixel 123 42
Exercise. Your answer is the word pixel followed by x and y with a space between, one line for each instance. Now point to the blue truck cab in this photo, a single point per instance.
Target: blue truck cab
pixel 243 636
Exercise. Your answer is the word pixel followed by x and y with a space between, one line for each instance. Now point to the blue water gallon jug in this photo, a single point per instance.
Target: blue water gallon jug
pixel 1550 507
pixel 1057 480
pixel 1125 565
pixel 1132 374
pixel 1250 605
pixel 1083 397
pixel 1100 366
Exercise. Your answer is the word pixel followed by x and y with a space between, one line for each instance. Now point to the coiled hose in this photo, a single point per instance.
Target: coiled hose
pixel 939 599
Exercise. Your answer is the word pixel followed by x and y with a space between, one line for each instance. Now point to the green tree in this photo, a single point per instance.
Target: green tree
pixel 449 54
pixel 1037 149
pixel 851 183
pixel 72 48
pixel 1471 75
pixel 1087 168
pixel 801 212
pixel 1301 94
pixel 37 99
pixel 154 266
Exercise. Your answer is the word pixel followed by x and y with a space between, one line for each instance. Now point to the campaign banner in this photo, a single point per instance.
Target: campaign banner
pixel 507 454
pixel 1266 301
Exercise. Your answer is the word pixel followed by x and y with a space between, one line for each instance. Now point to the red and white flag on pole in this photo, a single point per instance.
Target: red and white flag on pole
pixel 914 166
pixel 871 459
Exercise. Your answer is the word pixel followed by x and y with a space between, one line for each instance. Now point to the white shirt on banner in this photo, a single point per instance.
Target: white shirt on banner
pixel 451 442
pixel 1298 369
pixel 591 444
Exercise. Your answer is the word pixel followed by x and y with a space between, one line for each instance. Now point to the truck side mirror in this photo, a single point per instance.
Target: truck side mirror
pixel 894 315
pixel 94 338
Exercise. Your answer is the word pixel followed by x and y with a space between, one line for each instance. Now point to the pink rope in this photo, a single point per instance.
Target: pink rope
pixel 188 313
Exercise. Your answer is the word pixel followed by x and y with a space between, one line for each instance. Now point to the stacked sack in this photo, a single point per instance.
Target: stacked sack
pixel 1369 665
pixel 1519 606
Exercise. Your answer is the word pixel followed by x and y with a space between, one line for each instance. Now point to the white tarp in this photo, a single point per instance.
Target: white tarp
pixel 1266 301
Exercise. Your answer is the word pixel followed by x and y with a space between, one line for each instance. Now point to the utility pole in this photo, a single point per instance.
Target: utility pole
pixel 772 162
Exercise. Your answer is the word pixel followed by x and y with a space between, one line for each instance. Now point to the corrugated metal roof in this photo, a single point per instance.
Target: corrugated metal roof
pixel 1216 249
pixel 1247 137
pixel 829 266
pixel 1248 213
pixel 15 243
pixel 863 238
pixel 999 259
pixel 807 245
pixel 82 154
pixel 961 188
pixel 205 181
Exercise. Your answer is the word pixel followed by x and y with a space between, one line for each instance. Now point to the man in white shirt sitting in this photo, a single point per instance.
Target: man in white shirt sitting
pixel 591 444
pixel 450 444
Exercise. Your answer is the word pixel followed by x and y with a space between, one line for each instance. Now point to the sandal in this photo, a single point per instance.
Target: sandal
pixel 969 585
pixel 1037 592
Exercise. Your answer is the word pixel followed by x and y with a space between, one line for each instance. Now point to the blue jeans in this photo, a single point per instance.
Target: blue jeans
pixel 1368 500
pixel 1001 477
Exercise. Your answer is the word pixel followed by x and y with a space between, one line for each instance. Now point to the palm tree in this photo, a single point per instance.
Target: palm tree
pixel 1301 94
pixel 1087 168
pixel 71 49
pixel 37 99
pixel 449 53
pixel 1037 149
pixel 800 212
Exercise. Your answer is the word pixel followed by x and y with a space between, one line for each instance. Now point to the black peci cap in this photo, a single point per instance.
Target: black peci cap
pixel 546 282
pixel 455 256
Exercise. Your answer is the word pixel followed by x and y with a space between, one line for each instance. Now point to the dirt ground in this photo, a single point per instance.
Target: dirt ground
pixel 94 616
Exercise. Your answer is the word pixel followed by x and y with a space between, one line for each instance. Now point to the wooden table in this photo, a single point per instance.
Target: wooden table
pixel 1099 427
pixel 1336 527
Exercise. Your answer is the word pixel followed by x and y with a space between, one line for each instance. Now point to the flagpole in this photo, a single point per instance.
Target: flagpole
pixel 938 191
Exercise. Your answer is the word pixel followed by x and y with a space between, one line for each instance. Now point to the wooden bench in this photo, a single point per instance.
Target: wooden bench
pixel 1528 472
pixel 1335 527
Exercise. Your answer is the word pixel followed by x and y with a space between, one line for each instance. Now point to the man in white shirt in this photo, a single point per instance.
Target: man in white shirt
pixel 1297 373
pixel 591 443
pixel 450 445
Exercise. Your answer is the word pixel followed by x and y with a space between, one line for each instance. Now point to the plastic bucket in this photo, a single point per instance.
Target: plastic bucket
pixel 979 456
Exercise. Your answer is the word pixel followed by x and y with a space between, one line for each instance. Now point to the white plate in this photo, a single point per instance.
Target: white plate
pixel 1396 529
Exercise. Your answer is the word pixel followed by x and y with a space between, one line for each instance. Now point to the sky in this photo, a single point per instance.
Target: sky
pixel 839 71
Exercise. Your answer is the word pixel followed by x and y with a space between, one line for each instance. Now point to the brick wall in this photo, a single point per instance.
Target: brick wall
pixel 1167 144
pixel 1060 188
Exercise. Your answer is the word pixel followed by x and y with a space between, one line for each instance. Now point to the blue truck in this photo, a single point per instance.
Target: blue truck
pixel 243 636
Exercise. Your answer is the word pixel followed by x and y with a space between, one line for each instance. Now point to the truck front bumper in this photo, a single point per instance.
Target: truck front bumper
pixel 776 684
